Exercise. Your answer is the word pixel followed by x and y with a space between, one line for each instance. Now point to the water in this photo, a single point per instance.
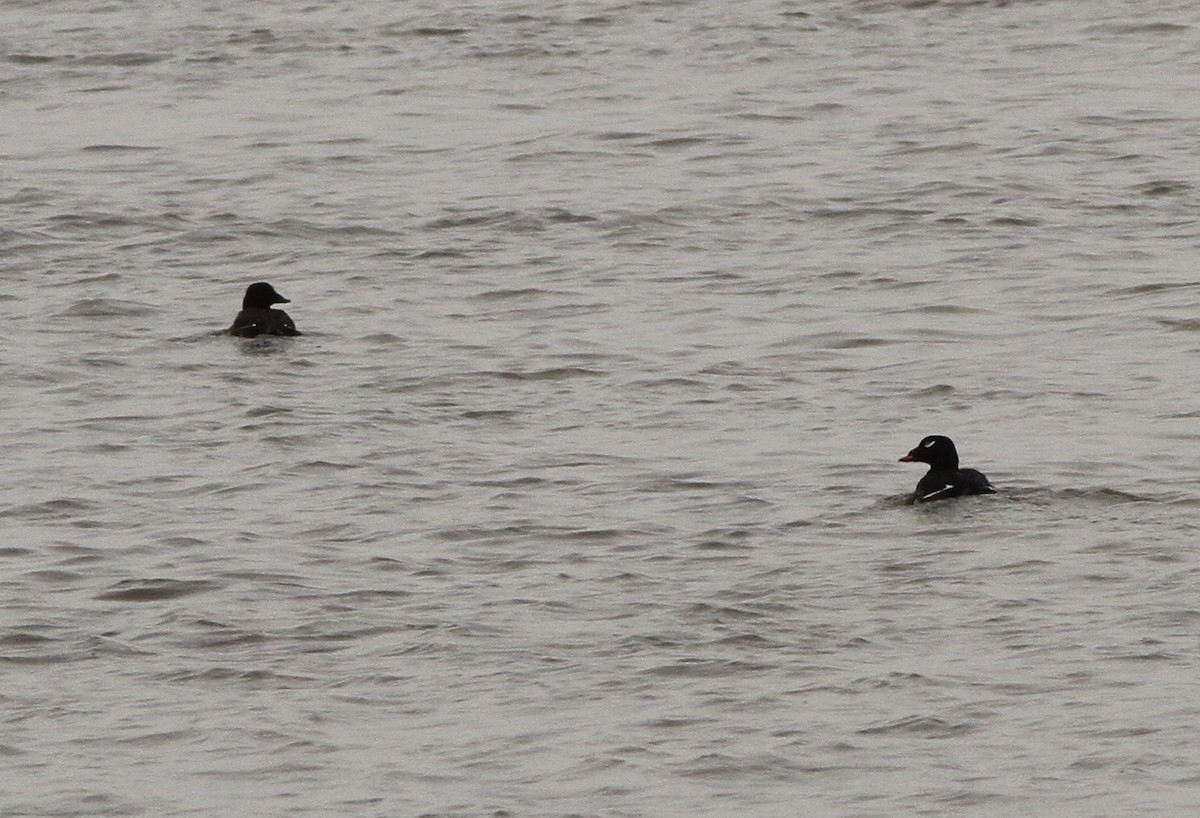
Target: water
pixel 579 495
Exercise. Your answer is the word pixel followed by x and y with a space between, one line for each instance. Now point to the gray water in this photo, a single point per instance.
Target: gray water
pixel 579 494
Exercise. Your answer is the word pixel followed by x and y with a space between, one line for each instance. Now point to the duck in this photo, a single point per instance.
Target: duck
pixel 944 479
pixel 257 318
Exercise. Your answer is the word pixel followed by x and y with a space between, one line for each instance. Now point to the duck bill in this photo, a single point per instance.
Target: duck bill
pixel 908 458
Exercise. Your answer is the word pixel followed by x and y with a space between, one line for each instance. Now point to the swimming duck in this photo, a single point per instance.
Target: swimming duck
pixel 944 478
pixel 257 317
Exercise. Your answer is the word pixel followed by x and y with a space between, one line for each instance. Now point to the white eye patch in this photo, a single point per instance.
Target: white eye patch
pixel 928 443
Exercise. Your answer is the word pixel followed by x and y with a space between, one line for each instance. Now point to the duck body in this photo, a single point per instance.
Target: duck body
pixel 258 318
pixel 944 478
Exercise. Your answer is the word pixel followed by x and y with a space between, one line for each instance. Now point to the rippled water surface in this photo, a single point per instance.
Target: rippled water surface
pixel 579 494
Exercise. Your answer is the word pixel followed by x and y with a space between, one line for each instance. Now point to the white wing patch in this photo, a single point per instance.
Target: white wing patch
pixel 933 495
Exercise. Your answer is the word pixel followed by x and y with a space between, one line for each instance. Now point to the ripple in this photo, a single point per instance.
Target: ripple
pixel 154 590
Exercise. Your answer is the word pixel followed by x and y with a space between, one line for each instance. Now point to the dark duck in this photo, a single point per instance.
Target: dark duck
pixel 257 318
pixel 944 478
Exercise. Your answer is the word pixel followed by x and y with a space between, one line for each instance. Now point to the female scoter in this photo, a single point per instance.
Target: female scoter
pixel 257 317
pixel 944 478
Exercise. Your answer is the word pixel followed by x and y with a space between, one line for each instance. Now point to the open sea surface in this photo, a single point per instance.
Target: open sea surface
pixel 579 494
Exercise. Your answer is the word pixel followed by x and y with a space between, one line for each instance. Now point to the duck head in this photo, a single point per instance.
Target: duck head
pixel 936 450
pixel 261 295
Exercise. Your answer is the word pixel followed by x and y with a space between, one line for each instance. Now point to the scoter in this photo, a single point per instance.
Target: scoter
pixel 944 478
pixel 257 317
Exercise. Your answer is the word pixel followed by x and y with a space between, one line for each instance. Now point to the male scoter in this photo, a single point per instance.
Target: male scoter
pixel 944 478
pixel 257 317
